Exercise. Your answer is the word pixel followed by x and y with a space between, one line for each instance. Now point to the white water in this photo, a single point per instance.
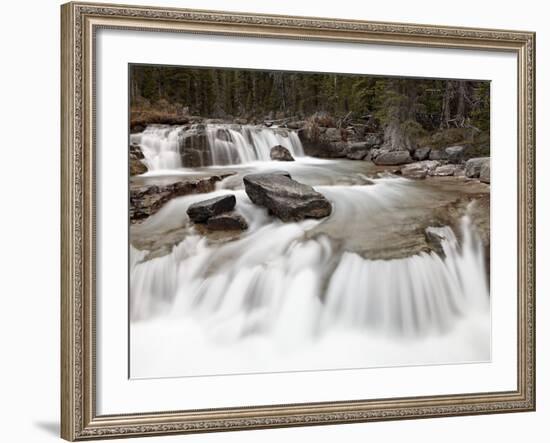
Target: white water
pixel 162 146
pixel 278 299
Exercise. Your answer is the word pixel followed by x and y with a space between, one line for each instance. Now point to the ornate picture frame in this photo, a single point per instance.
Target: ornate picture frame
pixel 80 22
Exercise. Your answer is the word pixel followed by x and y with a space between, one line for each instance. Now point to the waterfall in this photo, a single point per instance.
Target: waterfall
pixel 282 297
pixel 218 144
pixel 160 146
pixel 277 280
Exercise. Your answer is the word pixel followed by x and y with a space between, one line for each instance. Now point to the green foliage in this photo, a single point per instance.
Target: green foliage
pixel 415 105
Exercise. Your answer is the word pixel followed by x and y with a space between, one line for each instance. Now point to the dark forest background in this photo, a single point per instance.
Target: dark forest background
pixel 403 108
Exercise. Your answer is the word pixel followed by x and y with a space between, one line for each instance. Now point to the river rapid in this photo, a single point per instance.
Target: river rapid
pixel 361 288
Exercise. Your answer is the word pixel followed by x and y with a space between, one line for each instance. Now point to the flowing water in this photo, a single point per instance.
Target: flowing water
pixel 228 144
pixel 341 292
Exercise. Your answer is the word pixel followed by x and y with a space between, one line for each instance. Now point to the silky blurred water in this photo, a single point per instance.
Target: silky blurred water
pixel 307 295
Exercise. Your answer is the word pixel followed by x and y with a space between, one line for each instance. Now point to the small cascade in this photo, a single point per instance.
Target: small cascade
pixel 233 144
pixel 218 144
pixel 161 147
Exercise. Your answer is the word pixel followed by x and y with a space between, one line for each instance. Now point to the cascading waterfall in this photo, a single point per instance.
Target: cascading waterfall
pixel 228 144
pixel 277 298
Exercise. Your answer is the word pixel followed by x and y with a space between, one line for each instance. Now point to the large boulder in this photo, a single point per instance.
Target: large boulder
pixel 201 211
pixel 455 154
pixel 474 165
pixel 228 221
pixel 280 153
pixel 422 153
pixel 391 158
pixel 419 170
pixel 286 198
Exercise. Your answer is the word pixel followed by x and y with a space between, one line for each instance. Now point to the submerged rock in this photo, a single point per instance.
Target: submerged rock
pixel 474 165
pixel 280 153
pixel 229 221
pixel 201 211
pixel 286 198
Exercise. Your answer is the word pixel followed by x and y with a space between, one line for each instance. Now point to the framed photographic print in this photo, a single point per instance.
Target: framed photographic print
pixel 282 221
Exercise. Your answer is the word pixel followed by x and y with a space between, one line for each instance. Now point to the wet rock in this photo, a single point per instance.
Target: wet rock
pixel 357 151
pixel 194 147
pixel 473 166
pixel 422 153
pixel 419 170
pixel 229 221
pixel 438 154
pixel 147 200
pixel 200 212
pixel 434 239
pixel 241 121
pixel 223 135
pixel 485 173
pixel 444 171
pixel 280 153
pixel 455 154
pixel 286 198
pixel 391 158
pixel 137 167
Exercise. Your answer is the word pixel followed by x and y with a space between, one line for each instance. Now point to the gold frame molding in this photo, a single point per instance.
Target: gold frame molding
pixel 79 22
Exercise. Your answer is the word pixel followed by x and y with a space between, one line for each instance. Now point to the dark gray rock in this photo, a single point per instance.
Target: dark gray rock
pixel 422 153
pixel 392 158
pixel 200 212
pixel 438 154
pixel 473 166
pixel 229 221
pixel 224 135
pixel 434 239
pixel 455 154
pixel 280 153
pixel 286 198
pixel 147 200
pixel 194 147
